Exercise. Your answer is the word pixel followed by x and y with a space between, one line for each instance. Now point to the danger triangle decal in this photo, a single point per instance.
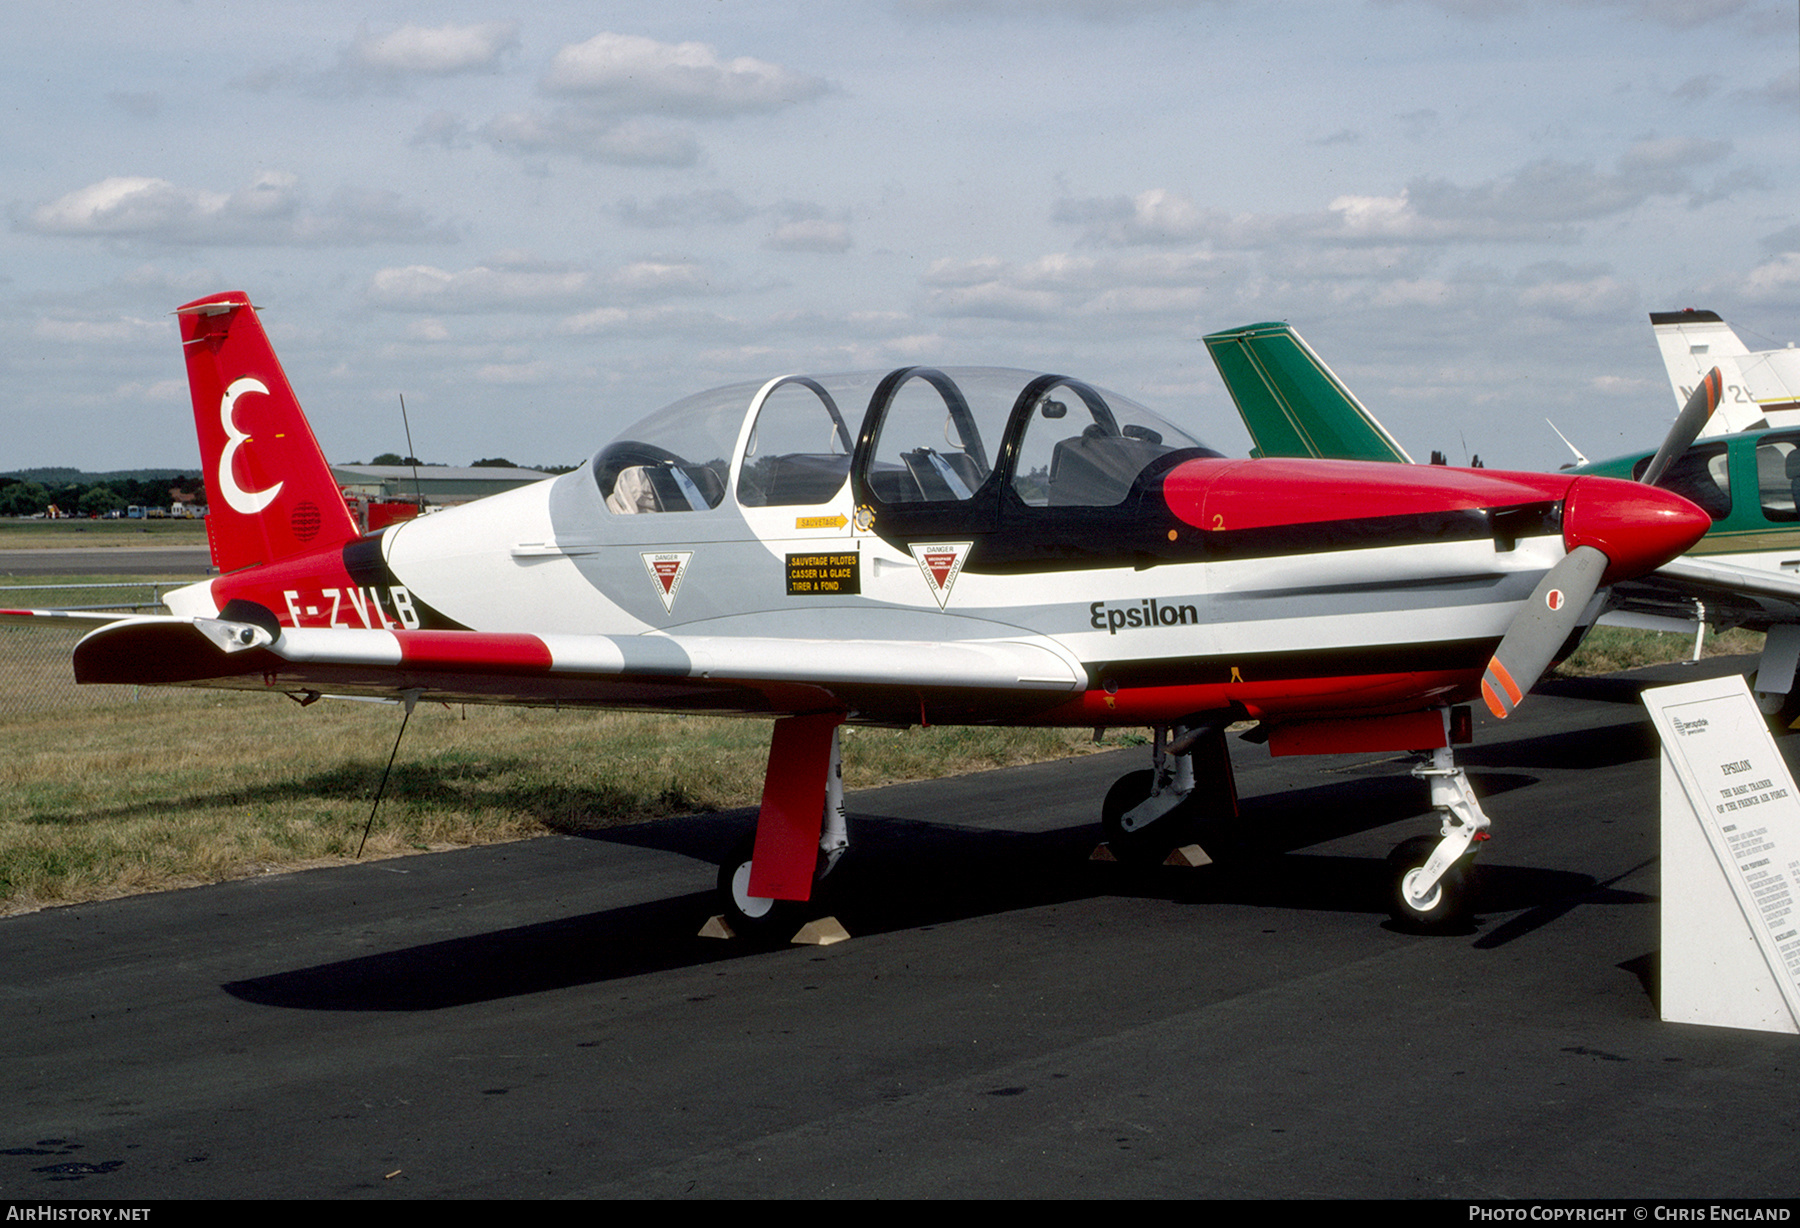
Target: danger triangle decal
pixel 666 569
pixel 940 563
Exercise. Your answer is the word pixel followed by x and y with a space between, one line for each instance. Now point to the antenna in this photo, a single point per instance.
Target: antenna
pixel 1579 458
pixel 418 490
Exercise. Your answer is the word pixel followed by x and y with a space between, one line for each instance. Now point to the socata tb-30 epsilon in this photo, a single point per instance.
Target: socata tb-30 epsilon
pixel 941 546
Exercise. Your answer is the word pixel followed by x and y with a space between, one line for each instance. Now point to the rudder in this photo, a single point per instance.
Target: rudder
pixel 1291 402
pixel 270 493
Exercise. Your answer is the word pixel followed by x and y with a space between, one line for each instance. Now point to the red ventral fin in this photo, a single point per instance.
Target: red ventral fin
pixel 793 807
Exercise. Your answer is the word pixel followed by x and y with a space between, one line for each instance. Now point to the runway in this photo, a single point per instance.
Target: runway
pixel 108 561
pixel 1010 1020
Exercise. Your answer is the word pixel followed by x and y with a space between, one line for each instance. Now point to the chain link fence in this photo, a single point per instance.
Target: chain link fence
pixel 35 674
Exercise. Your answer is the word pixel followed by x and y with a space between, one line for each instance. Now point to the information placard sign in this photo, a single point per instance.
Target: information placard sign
pixel 1730 860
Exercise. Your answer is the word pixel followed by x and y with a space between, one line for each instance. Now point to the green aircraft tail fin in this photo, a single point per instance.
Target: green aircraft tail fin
pixel 1291 401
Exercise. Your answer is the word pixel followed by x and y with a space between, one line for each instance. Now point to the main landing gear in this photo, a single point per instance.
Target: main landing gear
pixel 800 832
pixel 1430 875
pixel 1150 814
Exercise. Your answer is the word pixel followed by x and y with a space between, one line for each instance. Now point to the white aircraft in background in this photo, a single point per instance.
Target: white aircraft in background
pixel 1762 388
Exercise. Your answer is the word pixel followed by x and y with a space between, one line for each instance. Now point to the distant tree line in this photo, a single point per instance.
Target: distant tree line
pixel 31 492
pixel 83 496
pixel 486 462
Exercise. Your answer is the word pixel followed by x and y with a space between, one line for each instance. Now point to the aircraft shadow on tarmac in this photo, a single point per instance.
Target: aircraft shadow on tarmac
pixel 1624 741
pixel 908 874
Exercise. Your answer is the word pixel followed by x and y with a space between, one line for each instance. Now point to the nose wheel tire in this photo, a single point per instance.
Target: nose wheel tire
pixel 1445 907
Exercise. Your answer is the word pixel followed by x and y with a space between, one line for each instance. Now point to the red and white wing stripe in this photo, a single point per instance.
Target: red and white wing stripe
pixel 527 667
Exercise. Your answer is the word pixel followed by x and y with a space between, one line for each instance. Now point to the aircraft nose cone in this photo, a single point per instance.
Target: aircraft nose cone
pixel 1638 528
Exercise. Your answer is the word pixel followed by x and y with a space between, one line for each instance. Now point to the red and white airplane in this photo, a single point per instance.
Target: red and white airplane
pixel 921 546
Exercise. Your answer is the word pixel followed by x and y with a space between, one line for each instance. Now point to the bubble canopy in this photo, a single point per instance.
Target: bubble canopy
pixel 922 436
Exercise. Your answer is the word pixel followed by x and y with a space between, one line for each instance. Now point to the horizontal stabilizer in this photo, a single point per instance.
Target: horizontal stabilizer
pixel 50 618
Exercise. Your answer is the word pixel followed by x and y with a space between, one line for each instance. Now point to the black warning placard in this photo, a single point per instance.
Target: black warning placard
pixel 813 575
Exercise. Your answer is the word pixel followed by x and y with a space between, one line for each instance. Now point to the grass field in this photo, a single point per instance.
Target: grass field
pixel 1607 650
pixel 69 534
pixel 106 791
pixel 108 794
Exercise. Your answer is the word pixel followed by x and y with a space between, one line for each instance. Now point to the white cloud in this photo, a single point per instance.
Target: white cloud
pixel 1775 282
pixel 1082 286
pixel 1162 217
pixel 1543 201
pixel 627 74
pixel 1108 11
pixel 272 209
pixel 633 142
pixel 515 281
pixel 599 320
pixel 1566 293
pixel 660 278
pixel 1548 193
pixel 387 62
pixel 1154 216
pixel 115 330
pixel 715 207
pixel 948 272
pixel 513 372
pixel 995 299
pixel 809 235
pixel 502 286
pixel 1678 14
pixel 1687 14
pixel 805 227
pixel 434 50
pixel 442 128
pixel 1781 90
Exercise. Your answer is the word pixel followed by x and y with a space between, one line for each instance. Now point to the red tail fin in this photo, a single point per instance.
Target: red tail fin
pixel 270 494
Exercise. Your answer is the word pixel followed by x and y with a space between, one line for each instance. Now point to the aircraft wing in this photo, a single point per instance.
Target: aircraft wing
pixel 744 674
pixel 1291 402
pixel 1732 594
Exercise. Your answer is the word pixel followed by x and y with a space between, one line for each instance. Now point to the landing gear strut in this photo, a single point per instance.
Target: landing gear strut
pixel 1150 813
pixel 1430 889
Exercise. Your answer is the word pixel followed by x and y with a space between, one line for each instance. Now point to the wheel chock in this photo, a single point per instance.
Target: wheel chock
pixel 821 933
pixel 1188 857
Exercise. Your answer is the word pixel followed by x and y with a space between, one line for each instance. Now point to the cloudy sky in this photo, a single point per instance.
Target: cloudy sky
pixel 540 227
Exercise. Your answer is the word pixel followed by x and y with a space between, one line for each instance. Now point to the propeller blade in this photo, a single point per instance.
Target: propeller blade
pixel 1540 628
pixel 1687 426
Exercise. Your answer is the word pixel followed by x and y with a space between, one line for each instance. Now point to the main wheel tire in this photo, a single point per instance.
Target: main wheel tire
pixel 1147 846
pixel 1448 905
pixel 752 916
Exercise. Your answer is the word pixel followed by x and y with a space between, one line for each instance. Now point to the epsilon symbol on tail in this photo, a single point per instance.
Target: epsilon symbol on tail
pixel 244 502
